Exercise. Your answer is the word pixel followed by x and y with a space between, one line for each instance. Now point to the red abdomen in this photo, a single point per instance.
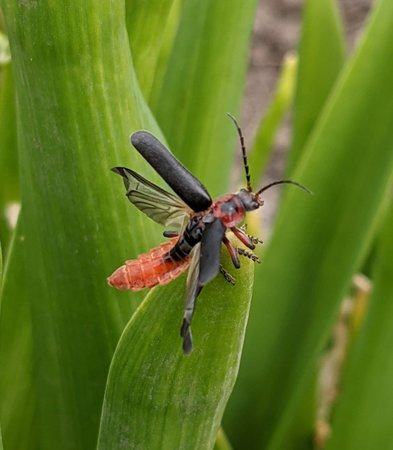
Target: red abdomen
pixel 149 269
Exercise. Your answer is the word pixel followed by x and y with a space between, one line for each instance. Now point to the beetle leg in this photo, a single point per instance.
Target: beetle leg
pixel 247 240
pixel 170 234
pixel 255 240
pixel 246 253
pixel 228 277
pixel 204 266
pixel 232 251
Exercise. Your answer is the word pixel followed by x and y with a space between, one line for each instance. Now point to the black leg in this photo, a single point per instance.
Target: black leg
pixel 170 234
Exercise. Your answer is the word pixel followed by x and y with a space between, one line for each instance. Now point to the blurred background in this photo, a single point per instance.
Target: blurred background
pixel 276 33
pixel 307 364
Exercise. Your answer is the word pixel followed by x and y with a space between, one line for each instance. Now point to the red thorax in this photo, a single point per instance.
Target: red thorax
pixel 229 209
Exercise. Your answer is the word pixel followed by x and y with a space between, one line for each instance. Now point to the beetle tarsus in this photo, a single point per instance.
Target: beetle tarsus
pixel 255 240
pixel 228 277
pixel 248 254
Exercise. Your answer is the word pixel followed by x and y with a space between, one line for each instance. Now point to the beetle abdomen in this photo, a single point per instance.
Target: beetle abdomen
pixel 149 269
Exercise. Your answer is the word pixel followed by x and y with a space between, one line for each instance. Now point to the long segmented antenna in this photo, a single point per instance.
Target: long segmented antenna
pixel 245 163
pixel 274 183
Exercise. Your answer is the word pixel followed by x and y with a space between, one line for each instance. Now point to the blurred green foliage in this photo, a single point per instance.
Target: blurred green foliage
pixel 82 363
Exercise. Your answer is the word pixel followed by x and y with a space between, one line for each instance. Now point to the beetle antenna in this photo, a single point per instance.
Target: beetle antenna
pixel 274 183
pixel 245 163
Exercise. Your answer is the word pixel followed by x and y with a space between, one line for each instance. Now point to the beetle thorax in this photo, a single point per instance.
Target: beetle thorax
pixel 229 209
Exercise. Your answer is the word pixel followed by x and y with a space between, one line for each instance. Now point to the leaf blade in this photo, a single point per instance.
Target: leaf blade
pixel 9 188
pixel 204 79
pixel 321 58
pixel 334 231
pixel 278 107
pixel 69 139
pixel 367 378
pixel 183 398
pixel 146 22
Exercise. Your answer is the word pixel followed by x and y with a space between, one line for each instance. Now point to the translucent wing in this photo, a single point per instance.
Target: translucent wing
pixel 161 206
pixel 193 290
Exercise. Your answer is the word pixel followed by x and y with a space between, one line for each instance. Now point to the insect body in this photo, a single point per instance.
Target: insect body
pixel 150 269
pixel 199 226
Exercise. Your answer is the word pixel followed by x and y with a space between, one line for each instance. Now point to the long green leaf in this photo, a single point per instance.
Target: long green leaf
pixel 167 38
pixel 204 79
pixel 318 243
pixel 157 398
pixel 364 413
pixel 18 414
pixel 146 23
pixel 9 184
pixel 75 114
pixel 278 107
pixel 15 387
pixel 5 55
pixel 321 58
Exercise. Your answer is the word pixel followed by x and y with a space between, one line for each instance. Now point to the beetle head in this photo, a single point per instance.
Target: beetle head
pixel 250 200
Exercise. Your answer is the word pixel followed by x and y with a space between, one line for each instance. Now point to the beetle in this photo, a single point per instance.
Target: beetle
pixel 196 224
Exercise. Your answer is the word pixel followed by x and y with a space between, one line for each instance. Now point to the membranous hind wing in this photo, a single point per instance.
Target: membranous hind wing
pixel 204 266
pixel 193 290
pixel 161 206
pixel 183 182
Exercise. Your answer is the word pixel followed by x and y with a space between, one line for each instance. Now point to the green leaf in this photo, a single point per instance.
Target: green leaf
pixel 204 79
pixel 5 55
pixel 222 442
pixel 156 397
pixel 167 38
pixel 317 245
pixel 146 23
pixel 366 387
pixel 60 322
pixel 17 407
pixel 9 186
pixel 321 58
pixel 278 107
